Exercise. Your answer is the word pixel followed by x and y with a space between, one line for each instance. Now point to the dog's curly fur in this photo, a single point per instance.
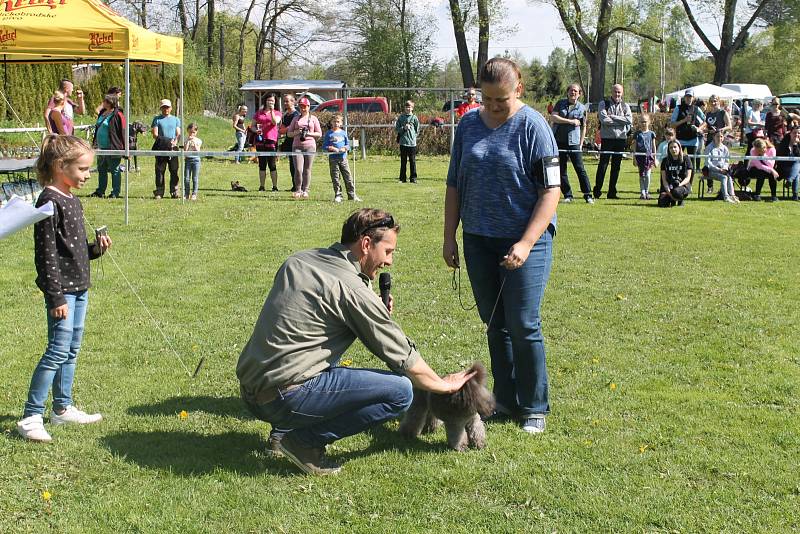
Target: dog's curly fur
pixel 460 411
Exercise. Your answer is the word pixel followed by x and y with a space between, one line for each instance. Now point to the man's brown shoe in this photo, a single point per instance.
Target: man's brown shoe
pixel 310 460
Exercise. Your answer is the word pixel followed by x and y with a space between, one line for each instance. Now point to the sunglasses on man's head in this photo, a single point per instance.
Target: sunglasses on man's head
pixel 386 222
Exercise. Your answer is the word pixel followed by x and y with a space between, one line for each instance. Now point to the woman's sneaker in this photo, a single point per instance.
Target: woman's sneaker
pixel 32 429
pixel 533 425
pixel 73 415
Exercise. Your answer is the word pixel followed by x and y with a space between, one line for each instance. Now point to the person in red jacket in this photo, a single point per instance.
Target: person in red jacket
pixel 471 103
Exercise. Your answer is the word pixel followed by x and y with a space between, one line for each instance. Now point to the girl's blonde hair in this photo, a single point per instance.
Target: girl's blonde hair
pixel 58 97
pixel 762 144
pixel 58 148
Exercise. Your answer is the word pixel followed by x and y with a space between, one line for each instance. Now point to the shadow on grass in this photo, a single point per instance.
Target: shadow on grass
pixel 389 439
pixel 225 406
pixel 194 454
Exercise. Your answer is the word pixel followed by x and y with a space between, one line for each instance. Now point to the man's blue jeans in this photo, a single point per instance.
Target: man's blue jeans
pixel 337 403
pixel 106 165
pixel 516 343
pixel 57 365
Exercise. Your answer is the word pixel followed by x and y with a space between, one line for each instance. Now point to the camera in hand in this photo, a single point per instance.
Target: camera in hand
pixel 303 133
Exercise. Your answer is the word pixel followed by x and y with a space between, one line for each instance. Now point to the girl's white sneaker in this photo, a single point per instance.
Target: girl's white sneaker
pixel 32 429
pixel 73 415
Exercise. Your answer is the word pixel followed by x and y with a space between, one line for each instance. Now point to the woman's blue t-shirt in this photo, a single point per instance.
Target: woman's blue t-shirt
pixel 498 172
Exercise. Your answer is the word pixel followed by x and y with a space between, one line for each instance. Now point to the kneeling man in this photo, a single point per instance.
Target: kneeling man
pixel 320 302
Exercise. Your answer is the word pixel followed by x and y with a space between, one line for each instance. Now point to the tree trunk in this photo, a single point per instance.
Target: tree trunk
pixel 182 18
pixel 597 69
pixel 728 42
pixel 273 33
pixel 404 39
pixel 483 35
pixel 722 65
pixel 210 44
pixel 196 19
pixel 261 43
pixel 242 34
pixel 143 14
pixel 461 44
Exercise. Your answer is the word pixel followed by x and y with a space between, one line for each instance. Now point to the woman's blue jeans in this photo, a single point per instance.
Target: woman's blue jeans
pixel 57 365
pixel 516 343
pixel 337 403
pixel 106 165
pixel 240 139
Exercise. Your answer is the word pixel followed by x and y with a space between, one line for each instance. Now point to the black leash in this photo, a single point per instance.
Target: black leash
pixel 456 284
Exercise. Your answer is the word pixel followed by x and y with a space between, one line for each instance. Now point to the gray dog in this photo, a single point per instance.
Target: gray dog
pixel 461 412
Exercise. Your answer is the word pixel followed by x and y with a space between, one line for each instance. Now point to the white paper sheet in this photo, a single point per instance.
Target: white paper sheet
pixel 19 213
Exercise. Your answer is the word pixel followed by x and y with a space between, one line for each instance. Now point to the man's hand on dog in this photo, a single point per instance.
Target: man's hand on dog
pixel 457 380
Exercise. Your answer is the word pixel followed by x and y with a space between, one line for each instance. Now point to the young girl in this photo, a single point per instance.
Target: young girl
pixel 191 169
pixel 718 167
pixel 62 255
pixel 661 153
pixel 337 145
pixel 762 169
pixel 645 160
pixel 676 176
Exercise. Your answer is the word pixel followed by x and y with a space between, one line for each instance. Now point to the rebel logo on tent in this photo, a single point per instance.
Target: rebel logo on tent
pixel 100 40
pixel 8 37
pixel 14 5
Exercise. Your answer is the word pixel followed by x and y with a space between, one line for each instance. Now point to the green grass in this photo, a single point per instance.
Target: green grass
pixel 691 314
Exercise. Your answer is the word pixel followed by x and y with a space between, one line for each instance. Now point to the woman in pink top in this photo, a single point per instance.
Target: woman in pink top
pixel 304 130
pixel 763 168
pixel 265 135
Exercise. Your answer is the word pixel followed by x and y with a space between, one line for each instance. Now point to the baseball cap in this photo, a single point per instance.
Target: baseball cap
pixel 689 92
pixel 165 103
pixel 304 102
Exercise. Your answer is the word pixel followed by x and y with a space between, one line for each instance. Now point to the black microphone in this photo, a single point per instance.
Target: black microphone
pixel 385 283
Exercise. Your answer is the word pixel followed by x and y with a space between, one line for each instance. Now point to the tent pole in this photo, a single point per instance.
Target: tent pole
pixel 183 136
pixel 127 135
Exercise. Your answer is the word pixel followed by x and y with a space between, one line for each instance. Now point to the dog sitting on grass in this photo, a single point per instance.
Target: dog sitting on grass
pixel 460 411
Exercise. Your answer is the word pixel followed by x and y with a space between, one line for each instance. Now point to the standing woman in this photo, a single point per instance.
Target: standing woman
pixel 109 134
pixel 304 131
pixel 55 115
pixel 775 121
pixel 265 130
pixel 503 185
pixel 240 130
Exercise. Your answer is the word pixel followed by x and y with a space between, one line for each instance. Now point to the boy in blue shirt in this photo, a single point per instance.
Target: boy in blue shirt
pixel 336 144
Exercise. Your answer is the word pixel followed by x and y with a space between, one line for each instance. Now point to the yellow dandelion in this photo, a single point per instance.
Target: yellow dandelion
pixel 620 296
pixel 595 360
pixel 595 422
pixel 346 363
pixel 183 415
pixel 643 448
pixel 195 347
pixel 612 386
pixel 46 495
pixel 587 443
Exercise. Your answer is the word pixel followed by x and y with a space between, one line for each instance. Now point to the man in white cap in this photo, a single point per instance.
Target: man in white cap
pixel 166 130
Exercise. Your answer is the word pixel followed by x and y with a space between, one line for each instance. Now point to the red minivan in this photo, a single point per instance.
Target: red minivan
pixel 355 103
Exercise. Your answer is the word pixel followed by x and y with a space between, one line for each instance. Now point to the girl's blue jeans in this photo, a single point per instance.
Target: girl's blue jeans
pixel 191 176
pixel 57 365
pixel 516 343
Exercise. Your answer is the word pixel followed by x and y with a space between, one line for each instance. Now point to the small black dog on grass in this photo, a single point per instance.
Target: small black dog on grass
pixel 461 412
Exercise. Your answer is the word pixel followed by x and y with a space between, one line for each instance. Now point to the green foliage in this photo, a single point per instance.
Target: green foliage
pixel 770 58
pixel 28 87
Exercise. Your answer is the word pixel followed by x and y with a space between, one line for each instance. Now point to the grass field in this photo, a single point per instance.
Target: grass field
pixel 673 351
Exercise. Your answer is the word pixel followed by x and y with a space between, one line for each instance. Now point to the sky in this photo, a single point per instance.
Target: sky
pixel 531 39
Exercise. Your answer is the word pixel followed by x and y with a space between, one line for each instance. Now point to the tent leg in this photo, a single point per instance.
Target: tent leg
pixel 127 136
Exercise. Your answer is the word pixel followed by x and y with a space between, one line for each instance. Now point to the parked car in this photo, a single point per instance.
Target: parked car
pixel 355 103
pixel 791 102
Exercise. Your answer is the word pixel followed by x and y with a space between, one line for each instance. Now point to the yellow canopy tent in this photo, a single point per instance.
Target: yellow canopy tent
pixel 48 31
pixel 52 30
